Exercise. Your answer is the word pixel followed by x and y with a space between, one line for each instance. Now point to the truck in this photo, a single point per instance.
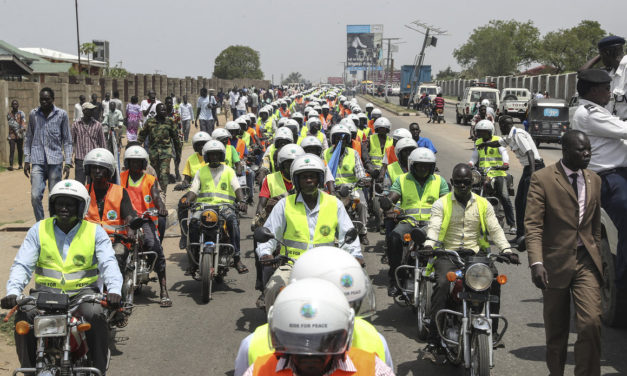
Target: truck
pixel 410 80
pixel 470 100
pixel 514 102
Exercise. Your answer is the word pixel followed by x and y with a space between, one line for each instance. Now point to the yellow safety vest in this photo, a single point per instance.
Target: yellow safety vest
pixel 365 337
pixel 79 270
pixel 273 169
pixel 346 171
pixel 296 235
pixel 395 170
pixel 482 205
pixel 319 136
pixel 414 205
pixel 376 154
pixel 490 157
pixel 210 193
pixel 196 161
pixel 246 138
pixel 228 156
pixel 276 184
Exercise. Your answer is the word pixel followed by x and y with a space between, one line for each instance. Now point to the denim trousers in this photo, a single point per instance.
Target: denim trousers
pixel 40 173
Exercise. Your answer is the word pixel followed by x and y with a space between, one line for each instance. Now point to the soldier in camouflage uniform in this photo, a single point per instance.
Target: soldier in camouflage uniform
pixel 162 135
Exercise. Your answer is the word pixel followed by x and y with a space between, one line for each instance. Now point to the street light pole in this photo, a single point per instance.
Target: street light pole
pixel 78 39
pixel 387 67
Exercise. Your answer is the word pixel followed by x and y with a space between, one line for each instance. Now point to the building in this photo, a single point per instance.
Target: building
pixel 95 67
pixel 18 65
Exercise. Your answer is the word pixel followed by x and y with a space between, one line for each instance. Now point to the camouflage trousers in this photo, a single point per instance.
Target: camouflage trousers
pixel 161 164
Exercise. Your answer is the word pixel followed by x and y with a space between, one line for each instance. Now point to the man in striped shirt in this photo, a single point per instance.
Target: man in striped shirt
pixel 87 134
pixel 47 144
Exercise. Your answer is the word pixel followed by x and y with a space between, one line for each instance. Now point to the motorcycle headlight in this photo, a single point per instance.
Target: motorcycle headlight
pixel 478 277
pixel 476 177
pixel 50 326
pixel 209 218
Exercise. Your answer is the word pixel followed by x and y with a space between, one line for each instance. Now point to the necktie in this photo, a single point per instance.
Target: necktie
pixel 573 182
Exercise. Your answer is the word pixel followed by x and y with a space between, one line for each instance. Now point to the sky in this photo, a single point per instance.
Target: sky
pixel 183 37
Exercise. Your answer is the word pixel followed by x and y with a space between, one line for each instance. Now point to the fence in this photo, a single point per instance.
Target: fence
pixel 66 93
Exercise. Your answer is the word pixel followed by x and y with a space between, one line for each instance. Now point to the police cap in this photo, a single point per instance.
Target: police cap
pixel 594 76
pixel 610 41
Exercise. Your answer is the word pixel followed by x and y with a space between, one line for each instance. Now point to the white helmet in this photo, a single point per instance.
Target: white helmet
pixel 381 122
pixel 211 146
pixel 318 109
pixel 289 152
pixel 284 134
pixel 485 102
pixel 356 109
pixel 352 127
pixel 292 123
pixel 340 129
pixel 136 152
pixel 297 115
pixel 362 115
pixel 312 114
pixel 354 118
pixel 340 268
pixel 346 121
pixel 264 110
pixel 420 155
pixel 369 105
pixel 404 143
pixel 99 157
pixel 325 106
pixel 484 125
pixel 233 126
pixel 311 141
pixel 376 112
pixel 281 122
pixel 200 137
pixel 314 120
pixel 399 133
pixel 70 188
pixel 310 316
pixel 307 162
pixel 219 133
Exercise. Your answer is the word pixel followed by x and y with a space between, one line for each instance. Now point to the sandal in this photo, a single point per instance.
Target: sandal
pixel 241 268
pixel 166 302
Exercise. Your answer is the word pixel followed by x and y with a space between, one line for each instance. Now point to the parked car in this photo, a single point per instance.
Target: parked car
pixel 547 120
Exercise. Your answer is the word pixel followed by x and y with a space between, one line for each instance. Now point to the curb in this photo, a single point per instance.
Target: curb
pixel 385 107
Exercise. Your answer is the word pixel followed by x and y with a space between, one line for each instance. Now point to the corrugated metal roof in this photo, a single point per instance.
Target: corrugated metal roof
pixel 58 55
pixel 36 63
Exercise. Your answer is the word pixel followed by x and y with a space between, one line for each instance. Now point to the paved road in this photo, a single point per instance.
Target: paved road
pixel 193 338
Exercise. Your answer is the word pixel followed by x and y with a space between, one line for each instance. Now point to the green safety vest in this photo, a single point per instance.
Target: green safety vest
pixel 222 193
pixel 365 337
pixel 490 157
pixel 395 170
pixel 267 126
pixel 319 136
pixel 346 171
pixel 376 154
pixel 482 205
pixel 296 235
pixel 246 138
pixel 414 205
pixel 273 169
pixel 276 184
pixel 79 270
pixel 228 156
pixel 195 161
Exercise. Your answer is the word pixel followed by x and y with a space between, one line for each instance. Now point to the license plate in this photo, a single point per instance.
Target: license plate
pixel 468 295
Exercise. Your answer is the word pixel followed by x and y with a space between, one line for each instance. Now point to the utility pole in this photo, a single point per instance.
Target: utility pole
pixel 78 39
pixel 428 31
pixel 387 67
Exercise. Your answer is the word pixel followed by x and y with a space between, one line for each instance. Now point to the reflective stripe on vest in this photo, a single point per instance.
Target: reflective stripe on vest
pixel 79 270
pixel 276 185
pixel 490 157
pixel 414 205
pixel 376 154
pixel 210 193
pixel 296 236
pixel 394 171
pixel 447 209
pixel 346 171
pixel 111 219
pixel 363 361
pixel 365 337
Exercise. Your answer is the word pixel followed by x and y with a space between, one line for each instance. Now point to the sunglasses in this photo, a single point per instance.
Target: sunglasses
pixel 462 181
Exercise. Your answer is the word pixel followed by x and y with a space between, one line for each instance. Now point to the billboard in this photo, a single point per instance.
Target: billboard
pixel 364 47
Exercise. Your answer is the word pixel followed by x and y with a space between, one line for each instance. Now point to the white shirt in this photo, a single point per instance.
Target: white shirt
pixel 240 103
pixel 105 107
pixel 521 142
pixel 276 223
pixel 216 173
pixel 78 112
pixel 607 135
pixel 205 103
pixel 186 111
pixel 232 98
pixel 153 108
pixel 618 87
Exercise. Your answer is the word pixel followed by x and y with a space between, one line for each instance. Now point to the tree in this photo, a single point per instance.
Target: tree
pixel 569 49
pixel 294 77
pixel 237 62
pixel 499 48
pixel 447 74
pixel 117 72
pixel 88 49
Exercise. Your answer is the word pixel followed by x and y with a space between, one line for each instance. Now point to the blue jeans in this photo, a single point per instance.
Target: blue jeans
pixel 38 176
pixel 614 201
pixel 241 113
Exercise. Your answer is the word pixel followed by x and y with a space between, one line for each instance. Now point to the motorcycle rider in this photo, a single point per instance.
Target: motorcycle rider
pixel 143 190
pixel 265 123
pixel 242 150
pixel 438 105
pixel 377 144
pixel 461 219
pixel 231 158
pixel 310 327
pixel 484 156
pixel 39 255
pixel 338 267
pixel 282 137
pixel 389 156
pixel 369 109
pixel 482 114
pixel 374 115
pixel 227 190
pixel 417 190
pixel 349 171
pixel 326 118
pixel 323 214
pixel 313 129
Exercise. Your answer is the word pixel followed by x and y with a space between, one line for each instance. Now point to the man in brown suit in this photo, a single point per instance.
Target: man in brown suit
pixel 563 235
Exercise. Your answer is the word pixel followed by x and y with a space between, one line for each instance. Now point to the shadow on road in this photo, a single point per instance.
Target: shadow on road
pixel 251 318
pixel 191 288
pixel 398 319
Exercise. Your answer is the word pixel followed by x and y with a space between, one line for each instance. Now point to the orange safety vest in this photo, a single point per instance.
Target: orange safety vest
pixel 284 114
pixel 111 220
pixel 357 145
pixel 299 100
pixel 391 153
pixel 363 361
pixel 371 125
pixel 241 147
pixel 140 196
pixel 347 112
pixel 326 122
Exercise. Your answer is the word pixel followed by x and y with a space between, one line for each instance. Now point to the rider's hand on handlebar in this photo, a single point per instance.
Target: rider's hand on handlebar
pixel 163 212
pixel 242 206
pixel 8 302
pixel 114 300
pixel 512 257
pixel 539 276
pixel 184 202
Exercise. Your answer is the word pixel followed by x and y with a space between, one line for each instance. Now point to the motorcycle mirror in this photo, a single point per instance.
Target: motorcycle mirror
pixel 351 235
pixel 136 223
pixel 418 235
pixel 344 191
pixel 263 234
pixel 378 188
pixel 385 203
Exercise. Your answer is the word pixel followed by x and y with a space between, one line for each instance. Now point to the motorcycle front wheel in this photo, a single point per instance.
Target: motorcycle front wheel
pixel 479 354
pixel 424 306
pixel 206 264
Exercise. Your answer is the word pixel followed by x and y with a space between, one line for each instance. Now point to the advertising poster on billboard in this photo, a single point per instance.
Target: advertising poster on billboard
pixel 364 48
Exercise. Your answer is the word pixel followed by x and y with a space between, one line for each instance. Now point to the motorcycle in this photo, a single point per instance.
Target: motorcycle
pixel 211 253
pixel 61 341
pixel 349 196
pixel 483 185
pixel 437 115
pixel 466 326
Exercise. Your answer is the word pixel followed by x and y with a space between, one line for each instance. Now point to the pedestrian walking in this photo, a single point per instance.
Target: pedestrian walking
pixel 204 116
pixel 105 104
pixel 133 119
pixel 118 102
pixel 47 144
pixel 112 125
pixel 149 105
pixel 17 127
pixel 97 112
pixel 254 101
pixel 233 97
pixel 78 107
pixel 563 236
pixel 87 134
pixel 241 104
pixel 186 111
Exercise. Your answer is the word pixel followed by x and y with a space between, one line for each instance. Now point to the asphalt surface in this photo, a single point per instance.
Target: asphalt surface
pixel 192 338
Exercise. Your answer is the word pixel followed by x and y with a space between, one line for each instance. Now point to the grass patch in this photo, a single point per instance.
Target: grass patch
pixel 11 222
pixel 2 169
pixel 388 106
pixel 7 329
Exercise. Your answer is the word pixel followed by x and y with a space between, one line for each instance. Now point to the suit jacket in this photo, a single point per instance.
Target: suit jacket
pixel 552 223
